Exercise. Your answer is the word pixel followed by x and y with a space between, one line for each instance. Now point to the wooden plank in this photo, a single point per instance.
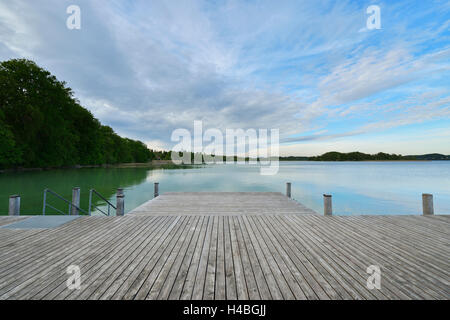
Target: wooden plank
pixel 109 289
pixel 401 268
pixel 403 248
pixel 43 243
pixel 395 280
pixel 313 277
pixel 183 272
pixel 420 236
pixel 57 288
pixel 200 278
pixel 247 266
pixel 144 280
pixel 345 266
pixel 230 278
pixel 241 283
pixel 163 284
pixel 131 284
pixel 278 290
pixel 229 246
pixel 221 203
pixel 328 268
pixel 261 282
pixel 113 256
pixel 210 280
pixel 220 286
pixel 12 239
pixel 190 280
pixel 347 249
pixel 291 281
pixel 47 262
pixel 5 220
pixel 167 257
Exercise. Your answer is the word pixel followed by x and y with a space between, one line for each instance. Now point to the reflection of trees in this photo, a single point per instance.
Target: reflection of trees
pixel 31 185
pixel 107 181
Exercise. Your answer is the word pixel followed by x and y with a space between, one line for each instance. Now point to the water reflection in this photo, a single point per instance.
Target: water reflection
pixel 30 186
pixel 357 187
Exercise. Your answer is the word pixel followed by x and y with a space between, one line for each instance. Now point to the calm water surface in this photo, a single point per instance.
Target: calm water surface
pixel 357 187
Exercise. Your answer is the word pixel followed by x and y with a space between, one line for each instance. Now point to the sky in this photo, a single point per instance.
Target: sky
pixel 312 69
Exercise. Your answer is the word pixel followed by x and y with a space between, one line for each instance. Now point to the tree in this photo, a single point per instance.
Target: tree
pixel 43 125
pixel 10 155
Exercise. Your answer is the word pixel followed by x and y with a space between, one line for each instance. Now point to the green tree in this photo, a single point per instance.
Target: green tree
pixel 10 155
pixel 43 125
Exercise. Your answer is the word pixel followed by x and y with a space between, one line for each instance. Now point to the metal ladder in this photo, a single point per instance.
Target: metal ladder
pixel 72 206
pixel 94 192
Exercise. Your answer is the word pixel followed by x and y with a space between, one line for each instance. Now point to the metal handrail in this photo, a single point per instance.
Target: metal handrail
pixel 71 205
pixel 93 191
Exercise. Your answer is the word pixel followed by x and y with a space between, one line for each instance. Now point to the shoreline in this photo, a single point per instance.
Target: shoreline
pixel 154 164
pixel 168 164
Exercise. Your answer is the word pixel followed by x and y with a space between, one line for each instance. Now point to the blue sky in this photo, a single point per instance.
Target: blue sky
pixel 308 68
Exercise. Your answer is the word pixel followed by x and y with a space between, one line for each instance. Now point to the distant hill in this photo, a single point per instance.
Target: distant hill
pixel 359 156
pixel 294 158
pixel 432 156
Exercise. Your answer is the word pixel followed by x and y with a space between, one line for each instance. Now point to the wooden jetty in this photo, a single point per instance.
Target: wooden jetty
pixel 222 203
pixel 246 246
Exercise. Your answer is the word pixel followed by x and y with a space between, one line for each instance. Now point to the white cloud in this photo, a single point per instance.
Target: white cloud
pixel 149 67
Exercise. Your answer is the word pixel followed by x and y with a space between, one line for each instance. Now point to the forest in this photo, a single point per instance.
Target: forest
pixel 381 156
pixel 42 125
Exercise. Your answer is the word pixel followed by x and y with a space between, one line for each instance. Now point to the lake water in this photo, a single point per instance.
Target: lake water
pixel 357 187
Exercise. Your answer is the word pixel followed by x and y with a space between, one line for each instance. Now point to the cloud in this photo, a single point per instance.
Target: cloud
pixel 148 67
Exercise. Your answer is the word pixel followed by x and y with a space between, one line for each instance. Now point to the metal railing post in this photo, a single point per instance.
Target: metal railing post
pixel 327 205
pixel 90 202
pixel 120 204
pixel 45 202
pixel 156 194
pixel 288 190
pixel 14 205
pixel 427 204
pixel 75 202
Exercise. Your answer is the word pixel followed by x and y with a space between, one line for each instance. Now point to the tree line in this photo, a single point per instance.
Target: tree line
pixel 42 124
pixel 381 156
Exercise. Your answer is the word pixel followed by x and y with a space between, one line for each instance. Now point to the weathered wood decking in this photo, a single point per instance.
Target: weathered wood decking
pixel 10 219
pixel 221 203
pixel 217 256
